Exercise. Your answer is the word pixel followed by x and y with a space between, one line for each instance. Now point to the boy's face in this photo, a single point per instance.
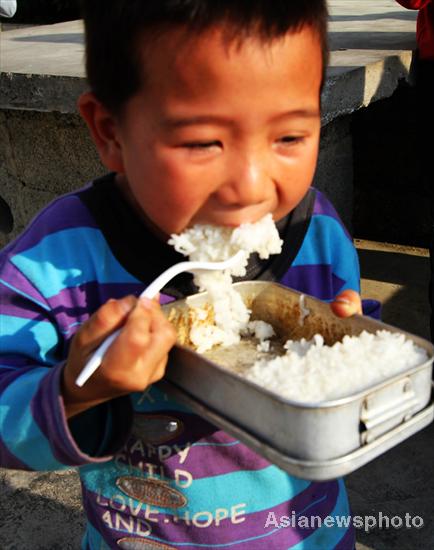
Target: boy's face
pixel 222 133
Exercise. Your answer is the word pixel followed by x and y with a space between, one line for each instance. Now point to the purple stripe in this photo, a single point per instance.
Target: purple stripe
pixel 211 452
pixel 14 305
pixel 203 461
pixel 323 207
pixel 73 306
pixel 166 299
pixel 15 361
pixel 48 413
pixel 66 212
pixel 318 499
pixel 348 541
pixel 15 278
pixel 337 284
pixel 314 280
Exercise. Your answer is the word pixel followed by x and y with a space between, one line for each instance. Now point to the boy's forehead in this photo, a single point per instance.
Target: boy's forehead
pixel 180 61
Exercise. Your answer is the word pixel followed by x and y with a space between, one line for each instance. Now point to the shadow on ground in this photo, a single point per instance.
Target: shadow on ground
pixel 401 481
pixel 400 281
pixel 397 483
pixel 40 511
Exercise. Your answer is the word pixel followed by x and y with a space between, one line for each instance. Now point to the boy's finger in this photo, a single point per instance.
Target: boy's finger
pixel 163 336
pixel 103 322
pixel 160 370
pixel 135 335
pixel 162 330
pixel 347 303
pixel 146 339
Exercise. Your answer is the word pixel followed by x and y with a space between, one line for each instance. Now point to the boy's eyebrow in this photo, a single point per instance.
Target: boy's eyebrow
pixel 172 123
pixel 298 113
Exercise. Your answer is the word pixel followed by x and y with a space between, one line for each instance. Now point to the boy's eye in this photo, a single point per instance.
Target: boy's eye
pixel 290 140
pixel 201 145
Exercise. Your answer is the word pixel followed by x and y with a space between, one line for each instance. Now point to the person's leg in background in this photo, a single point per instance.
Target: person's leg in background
pixel 425 97
pixel 8 8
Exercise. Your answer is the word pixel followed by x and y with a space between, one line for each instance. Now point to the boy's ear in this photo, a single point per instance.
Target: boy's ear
pixel 103 129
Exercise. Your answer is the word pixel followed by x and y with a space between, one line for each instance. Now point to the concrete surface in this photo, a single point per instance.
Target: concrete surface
pixel 371 43
pixel 45 147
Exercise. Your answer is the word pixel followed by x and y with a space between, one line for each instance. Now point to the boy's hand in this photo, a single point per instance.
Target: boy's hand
pixel 347 303
pixel 136 359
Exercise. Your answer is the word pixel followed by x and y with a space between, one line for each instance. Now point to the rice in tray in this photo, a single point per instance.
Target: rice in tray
pixel 304 371
pixel 230 316
pixel 311 372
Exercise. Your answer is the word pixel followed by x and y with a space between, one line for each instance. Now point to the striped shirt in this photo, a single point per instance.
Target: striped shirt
pixel 154 474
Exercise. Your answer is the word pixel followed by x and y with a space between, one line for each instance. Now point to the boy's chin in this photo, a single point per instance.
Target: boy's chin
pixel 233 219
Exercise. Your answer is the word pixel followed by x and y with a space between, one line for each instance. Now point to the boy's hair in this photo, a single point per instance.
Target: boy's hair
pixel 112 27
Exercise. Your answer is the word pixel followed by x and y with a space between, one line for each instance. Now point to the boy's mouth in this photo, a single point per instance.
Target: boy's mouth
pixel 235 216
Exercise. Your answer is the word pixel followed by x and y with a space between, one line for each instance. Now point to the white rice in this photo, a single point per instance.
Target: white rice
pixel 312 372
pixel 212 243
pixel 262 331
pixel 309 371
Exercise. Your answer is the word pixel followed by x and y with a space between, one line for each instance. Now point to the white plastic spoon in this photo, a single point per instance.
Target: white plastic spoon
pixel 150 292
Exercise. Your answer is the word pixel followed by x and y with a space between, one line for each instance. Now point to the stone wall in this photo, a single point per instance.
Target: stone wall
pixel 42 155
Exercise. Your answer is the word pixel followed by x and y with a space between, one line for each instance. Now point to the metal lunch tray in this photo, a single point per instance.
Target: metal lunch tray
pixel 309 469
pixel 319 441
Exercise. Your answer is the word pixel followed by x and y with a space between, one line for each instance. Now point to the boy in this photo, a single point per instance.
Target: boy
pixel 203 112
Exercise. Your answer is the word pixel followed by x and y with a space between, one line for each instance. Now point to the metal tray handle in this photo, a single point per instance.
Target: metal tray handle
pixel 378 415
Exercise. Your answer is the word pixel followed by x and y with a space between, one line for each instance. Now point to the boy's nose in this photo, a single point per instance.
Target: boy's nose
pixel 247 183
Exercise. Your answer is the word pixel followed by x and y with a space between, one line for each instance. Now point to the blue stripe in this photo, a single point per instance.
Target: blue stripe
pixel 68 329
pixel 326 243
pixel 230 444
pixel 21 293
pixel 93 539
pixel 19 431
pixel 25 336
pixel 221 545
pixel 328 537
pixel 70 258
pixel 250 487
pixel 321 539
